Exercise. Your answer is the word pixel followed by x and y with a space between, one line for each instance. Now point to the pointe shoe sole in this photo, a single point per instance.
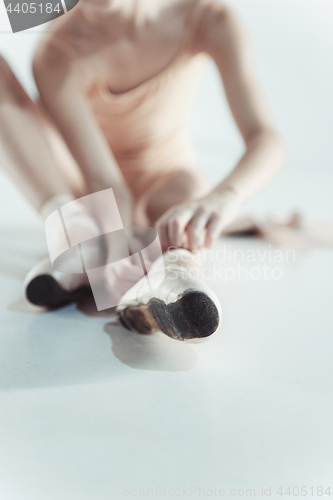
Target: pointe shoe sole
pixel 44 290
pixel 194 316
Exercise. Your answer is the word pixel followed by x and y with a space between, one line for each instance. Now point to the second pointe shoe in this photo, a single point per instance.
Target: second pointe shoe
pixel 182 307
pixel 43 286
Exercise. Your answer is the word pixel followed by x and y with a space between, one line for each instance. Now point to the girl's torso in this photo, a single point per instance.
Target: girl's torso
pixel 143 73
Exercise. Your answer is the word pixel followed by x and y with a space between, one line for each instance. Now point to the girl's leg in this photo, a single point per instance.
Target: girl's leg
pixel 25 149
pixel 177 187
pixel 182 306
pixel 36 158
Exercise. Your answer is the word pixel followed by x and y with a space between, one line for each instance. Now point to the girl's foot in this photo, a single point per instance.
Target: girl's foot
pixel 65 281
pixel 182 307
pixel 43 286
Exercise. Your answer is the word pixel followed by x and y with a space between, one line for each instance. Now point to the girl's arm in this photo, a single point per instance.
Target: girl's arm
pixel 221 35
pixel 62 83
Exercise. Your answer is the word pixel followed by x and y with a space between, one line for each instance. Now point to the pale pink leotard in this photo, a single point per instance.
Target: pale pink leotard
pixel 148 127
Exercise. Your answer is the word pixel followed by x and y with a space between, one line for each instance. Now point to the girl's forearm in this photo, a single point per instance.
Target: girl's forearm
pixel 261 162
pixel 86 143
pixel 92 153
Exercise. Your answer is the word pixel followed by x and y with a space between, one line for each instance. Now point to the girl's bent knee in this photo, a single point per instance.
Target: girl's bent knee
pixel 10 88
pixel 6 74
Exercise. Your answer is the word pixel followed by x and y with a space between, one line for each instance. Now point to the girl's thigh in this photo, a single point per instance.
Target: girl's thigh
pixel 169 189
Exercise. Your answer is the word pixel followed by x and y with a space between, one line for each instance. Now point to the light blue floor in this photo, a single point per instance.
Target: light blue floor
pixel 88 409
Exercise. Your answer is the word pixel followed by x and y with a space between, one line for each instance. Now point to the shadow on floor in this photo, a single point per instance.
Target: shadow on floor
pixel 67 347
pixel 155 352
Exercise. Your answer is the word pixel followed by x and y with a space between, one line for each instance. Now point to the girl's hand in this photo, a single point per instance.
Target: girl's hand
pixel 198 223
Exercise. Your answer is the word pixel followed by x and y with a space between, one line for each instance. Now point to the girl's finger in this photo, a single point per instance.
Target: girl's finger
pixel 196 229
pixel 176 225
pixel 214 229
pixel 161 227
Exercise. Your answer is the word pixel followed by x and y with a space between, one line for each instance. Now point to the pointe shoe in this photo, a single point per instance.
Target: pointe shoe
pixel 182 307
pixel 43 286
